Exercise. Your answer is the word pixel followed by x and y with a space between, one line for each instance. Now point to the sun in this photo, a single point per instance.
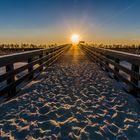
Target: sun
pixel 75 38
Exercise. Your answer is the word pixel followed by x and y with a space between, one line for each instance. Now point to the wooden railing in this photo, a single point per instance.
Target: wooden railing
pixel 110 60
pixel 35 62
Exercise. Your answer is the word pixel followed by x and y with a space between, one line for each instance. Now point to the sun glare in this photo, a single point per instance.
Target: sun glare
pixel 75 38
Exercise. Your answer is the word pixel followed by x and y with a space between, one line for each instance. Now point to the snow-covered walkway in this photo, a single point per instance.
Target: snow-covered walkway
pixel 74 100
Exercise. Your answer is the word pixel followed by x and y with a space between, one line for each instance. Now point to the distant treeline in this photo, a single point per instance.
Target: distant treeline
pixel 15 48
pixel 33 46
pixel 116 46
pixel 135 49
pixel 124 48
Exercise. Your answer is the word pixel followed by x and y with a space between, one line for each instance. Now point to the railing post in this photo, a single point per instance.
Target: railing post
pixel 95 56
pixel 134 68
pixel 11 80
pixel 115 68
pixel 48 57
pixel 54 52
pixel 107 64
pixel 51 52
pixel 30 68
pixel 101 60
pixel 41 61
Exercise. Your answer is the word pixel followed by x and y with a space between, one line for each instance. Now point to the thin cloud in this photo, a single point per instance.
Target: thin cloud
pixel 110 19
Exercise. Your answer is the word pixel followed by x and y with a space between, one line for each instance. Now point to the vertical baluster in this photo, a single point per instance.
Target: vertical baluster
pixel 11 80
pixel 134 68
pixel 41 61
pixel 107 64
pixel 30 68
pixel 48 56
pixel 115 68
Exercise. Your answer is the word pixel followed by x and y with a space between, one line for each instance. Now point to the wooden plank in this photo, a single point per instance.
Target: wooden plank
pixel 135 88
pixel 41 62
pixel 19 57
pixel 10 80
pixel 131 58
pixel 20 69
pixel 103 60
pixel 135 68
pixel 129 72
pixel 56 53
pixel 30 68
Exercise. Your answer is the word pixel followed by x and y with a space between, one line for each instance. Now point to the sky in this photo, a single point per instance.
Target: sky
pixel 54 21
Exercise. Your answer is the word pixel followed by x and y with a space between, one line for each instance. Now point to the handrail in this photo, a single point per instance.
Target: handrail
pixel 129 57
pixel 42 58
pixel 105 57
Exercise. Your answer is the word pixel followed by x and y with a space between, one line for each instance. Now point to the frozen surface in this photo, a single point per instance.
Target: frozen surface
pixel 73 100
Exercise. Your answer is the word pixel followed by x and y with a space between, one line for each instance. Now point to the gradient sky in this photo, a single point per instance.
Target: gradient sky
pixel 53 21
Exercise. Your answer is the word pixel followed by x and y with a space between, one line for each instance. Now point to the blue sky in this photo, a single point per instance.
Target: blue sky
pixel 48 21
